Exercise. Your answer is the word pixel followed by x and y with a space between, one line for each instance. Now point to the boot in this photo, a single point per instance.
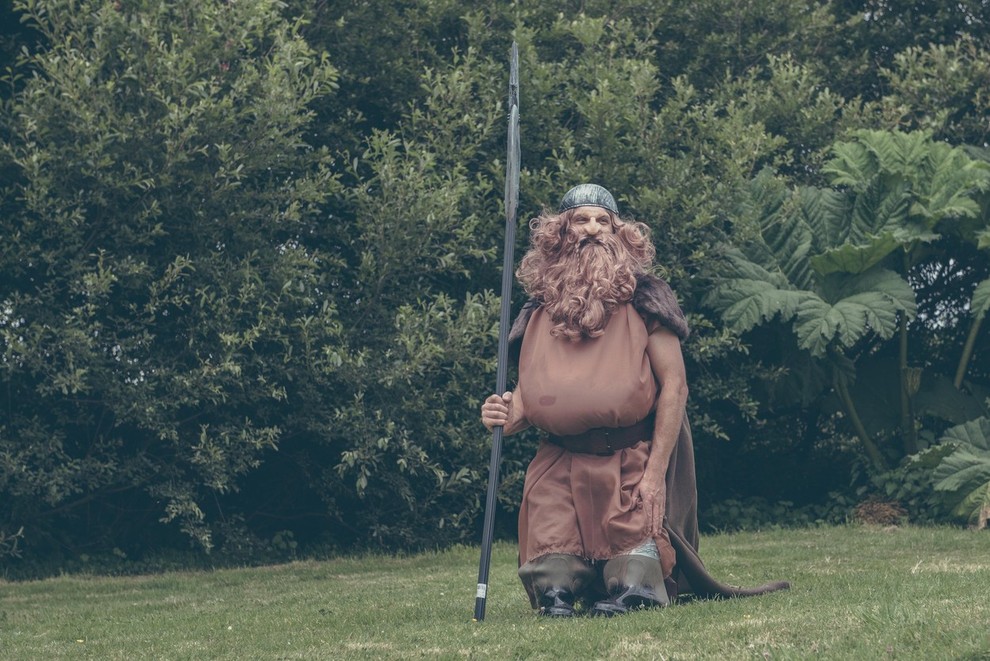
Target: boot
pixel 633 582
pixel 557 602
pixel 555 581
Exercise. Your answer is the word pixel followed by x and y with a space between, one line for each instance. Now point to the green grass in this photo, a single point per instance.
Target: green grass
pixel 858 593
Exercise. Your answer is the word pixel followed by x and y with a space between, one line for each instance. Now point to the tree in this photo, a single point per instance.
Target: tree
pixel 636 94
pixel 161 310
pixel 250 292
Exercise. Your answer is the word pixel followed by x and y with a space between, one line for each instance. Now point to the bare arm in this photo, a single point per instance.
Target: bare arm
pixel 667 363
pixel 505 410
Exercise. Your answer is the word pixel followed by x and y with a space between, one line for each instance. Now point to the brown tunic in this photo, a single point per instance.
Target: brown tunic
pixel 581 504
pixel 549 471
pixel 568 387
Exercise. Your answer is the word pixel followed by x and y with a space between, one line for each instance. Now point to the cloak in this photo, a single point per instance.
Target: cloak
pixel 654 299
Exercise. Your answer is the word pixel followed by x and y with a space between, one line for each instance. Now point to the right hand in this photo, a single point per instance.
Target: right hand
pixel 497 410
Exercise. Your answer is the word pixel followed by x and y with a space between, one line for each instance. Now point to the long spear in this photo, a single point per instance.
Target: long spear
pixel 511 209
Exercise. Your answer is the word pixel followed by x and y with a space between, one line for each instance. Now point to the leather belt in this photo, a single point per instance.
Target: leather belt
pixel 605 441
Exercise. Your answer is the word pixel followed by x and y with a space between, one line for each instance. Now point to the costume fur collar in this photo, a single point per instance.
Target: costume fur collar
pixel 653 299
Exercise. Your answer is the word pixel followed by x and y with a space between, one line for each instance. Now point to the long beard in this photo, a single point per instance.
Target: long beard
pixel 590 280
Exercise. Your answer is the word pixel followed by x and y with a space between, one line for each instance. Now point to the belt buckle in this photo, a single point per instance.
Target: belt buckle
pixel 608 446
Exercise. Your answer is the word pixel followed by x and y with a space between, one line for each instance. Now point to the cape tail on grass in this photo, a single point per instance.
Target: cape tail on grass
pixel 511 210
pixel 703 585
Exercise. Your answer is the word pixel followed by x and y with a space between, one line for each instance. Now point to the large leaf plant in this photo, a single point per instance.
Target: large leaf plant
pixel 963 473
pixel 833 263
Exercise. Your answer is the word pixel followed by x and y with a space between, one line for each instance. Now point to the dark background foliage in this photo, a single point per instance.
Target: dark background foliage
pixel 250 259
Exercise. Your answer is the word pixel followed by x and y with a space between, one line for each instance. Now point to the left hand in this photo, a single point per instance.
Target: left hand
pixel 650 493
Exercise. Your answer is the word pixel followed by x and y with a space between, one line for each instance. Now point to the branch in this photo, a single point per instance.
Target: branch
pixel 909 436
pixel 967 353
pixel 871 448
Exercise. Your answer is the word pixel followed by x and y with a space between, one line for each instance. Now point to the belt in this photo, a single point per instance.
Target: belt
pixel 604 441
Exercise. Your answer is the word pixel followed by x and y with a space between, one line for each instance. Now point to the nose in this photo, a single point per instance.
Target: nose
pixel 592 228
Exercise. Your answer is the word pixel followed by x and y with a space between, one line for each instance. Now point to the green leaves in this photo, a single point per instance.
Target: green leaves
pixel 852 258
pixel 900 186
pixel 864 304
pixel 163 207
pixel 965 473
pixel 210 250
pixel 800 264
pixel 834 263
pixel 753 294
pixel 980 303
pixel 843 311
pixel 816 255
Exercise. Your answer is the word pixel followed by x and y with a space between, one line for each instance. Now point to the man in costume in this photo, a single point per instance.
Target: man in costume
pixel 609 509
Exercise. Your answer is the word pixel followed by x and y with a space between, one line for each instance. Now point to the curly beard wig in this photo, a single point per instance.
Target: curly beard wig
pixel 580 282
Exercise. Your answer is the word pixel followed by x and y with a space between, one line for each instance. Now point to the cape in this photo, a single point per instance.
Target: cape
pixel 655 300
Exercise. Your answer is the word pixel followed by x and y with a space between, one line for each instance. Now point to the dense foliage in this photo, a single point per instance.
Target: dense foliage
pixel 249 252
pixel 837 263
pixel 161 312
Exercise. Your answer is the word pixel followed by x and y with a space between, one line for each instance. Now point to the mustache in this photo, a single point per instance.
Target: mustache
pixel 608 243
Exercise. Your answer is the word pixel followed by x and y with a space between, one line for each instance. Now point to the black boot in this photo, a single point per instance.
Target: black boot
pixel 557 602
pixel 633 582
pixel 632 598
pixel 554 581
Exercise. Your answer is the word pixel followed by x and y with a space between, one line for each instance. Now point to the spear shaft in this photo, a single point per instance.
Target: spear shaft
pixel 511 210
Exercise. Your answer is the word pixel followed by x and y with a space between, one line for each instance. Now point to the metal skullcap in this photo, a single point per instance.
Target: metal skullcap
pixel 590 195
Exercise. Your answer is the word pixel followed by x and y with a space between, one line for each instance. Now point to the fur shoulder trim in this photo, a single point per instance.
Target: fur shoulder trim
pixel 518 329
pixel 654 299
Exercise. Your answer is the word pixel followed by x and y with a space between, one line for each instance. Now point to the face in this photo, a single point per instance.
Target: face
pixel 588 222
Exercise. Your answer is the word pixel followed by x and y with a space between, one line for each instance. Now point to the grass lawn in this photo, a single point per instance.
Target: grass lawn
pixel 857 593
